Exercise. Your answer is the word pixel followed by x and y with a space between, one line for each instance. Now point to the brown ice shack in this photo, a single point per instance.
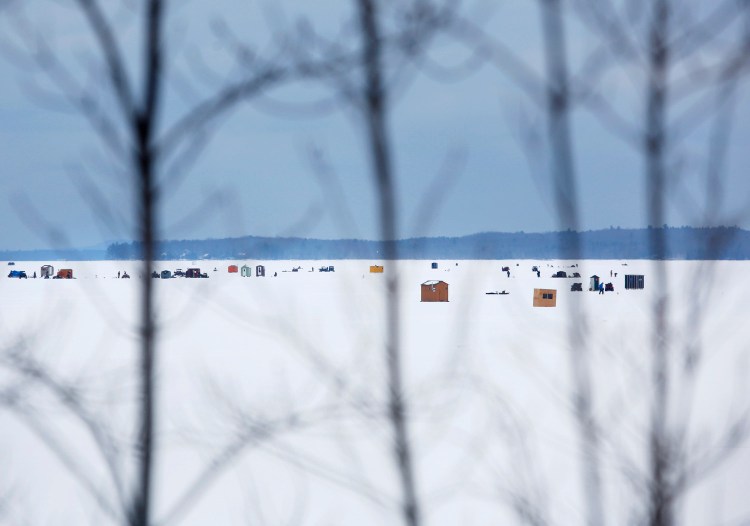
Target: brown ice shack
pixel 545 297
pixel 434 291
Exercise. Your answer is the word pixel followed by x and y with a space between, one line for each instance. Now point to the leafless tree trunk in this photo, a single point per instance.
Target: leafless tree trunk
pixel 671 36
pixel 133 130
pixel 565 183
pixel 140 110
pixel 617 24
pixel 145 123
pixel 660 492
pixel 375 112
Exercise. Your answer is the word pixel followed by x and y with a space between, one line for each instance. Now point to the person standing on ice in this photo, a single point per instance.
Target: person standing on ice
pixel 601 288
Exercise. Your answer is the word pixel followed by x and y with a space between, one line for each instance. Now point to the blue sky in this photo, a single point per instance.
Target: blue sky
pixel 255 175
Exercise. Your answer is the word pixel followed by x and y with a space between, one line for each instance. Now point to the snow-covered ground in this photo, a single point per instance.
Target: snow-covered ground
pixel 283 378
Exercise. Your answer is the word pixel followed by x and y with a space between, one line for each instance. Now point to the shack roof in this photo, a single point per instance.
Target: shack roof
pixel 433 282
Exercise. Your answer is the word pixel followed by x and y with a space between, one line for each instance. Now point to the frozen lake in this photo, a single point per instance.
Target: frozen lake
pixel 279 380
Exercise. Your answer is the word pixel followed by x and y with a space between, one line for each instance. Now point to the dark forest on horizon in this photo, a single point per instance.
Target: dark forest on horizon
pixel 682 243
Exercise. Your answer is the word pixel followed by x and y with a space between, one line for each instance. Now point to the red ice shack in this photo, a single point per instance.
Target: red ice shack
pixel 65 273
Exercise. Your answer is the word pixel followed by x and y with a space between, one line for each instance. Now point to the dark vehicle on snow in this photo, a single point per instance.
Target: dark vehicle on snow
pixel 576 287
pixel 20 274
pixel 560 274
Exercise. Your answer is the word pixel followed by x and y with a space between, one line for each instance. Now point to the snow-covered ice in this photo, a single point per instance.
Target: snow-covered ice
pixel 292 367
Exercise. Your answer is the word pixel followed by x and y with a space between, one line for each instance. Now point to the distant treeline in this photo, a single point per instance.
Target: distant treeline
pixel 613 243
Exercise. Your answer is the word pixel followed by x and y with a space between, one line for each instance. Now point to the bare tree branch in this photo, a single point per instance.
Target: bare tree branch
pixel 112 54
pixel 68 395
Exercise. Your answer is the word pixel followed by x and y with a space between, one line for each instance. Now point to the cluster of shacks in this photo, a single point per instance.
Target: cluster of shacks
pixel 246 271
pixel 48 271
pixel 437 290
pixel 431 290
